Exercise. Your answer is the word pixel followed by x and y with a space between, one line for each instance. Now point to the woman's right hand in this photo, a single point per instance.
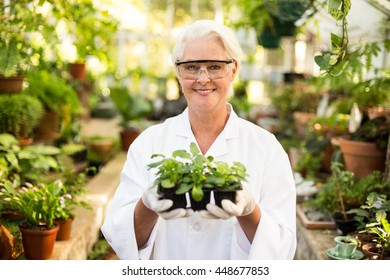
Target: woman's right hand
pixel 153 201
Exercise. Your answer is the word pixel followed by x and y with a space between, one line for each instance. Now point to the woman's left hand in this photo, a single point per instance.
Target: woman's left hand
pixel 245 204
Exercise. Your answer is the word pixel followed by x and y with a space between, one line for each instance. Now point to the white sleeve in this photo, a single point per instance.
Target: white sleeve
pixel 275 237
pixel 118 226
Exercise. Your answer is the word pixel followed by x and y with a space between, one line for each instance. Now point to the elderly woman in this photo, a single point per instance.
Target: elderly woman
pixel 260 224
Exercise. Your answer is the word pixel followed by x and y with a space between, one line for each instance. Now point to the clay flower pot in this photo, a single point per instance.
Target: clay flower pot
pixel 38 243
pixel 362 158
pixel 65 229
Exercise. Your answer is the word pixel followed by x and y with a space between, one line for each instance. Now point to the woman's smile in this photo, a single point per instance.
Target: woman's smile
pixel 204 92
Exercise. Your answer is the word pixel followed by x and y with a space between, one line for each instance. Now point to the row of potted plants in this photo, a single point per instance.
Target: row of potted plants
pixel 38 189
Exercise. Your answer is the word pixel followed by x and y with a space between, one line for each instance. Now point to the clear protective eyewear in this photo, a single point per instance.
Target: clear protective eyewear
pixel 215 69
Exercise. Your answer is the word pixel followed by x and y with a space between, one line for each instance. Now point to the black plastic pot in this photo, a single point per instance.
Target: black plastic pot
pixel 345 226
pixel 201 205
pixel 179 200
pixel 219 195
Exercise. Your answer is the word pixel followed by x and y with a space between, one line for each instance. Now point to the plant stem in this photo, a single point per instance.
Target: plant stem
pixel 340 199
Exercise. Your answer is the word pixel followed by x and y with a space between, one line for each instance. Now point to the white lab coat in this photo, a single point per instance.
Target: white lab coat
pixel 270 180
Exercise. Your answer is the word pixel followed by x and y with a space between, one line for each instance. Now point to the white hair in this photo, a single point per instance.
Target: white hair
pixel 208 29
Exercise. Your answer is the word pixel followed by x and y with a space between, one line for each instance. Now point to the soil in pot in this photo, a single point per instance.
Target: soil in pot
pixel 179 200
pixel 219 195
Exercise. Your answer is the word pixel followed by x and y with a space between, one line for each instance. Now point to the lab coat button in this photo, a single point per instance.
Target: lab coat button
pixel 196 226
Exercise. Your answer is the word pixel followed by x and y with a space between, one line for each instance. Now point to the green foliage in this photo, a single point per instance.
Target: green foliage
pixel 343 191
pixel 335 62
pixel 376 205
pixel 26 163
pixel 72 148
pixel 99 250
pixel 19 20
pixel 55 93
pixel 37 203
pixel 20 114
pixel 191 171
pixel 91 27
pixel 375 131
pixel 72 193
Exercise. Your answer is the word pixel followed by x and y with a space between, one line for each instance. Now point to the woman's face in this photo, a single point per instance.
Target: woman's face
pixel 205 94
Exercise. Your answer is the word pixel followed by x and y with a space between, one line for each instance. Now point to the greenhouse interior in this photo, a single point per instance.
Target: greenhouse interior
pixel 92 76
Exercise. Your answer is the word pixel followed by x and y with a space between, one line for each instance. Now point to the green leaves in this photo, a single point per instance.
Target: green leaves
pixel 339 9
pixel 192 171
pixel 336 62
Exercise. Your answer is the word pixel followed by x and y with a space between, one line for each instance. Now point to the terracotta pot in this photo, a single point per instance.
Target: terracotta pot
pixel 6 243
pixel 362 158
pixel 11 84
pixel 65 229
pixel 78 71
pixel 127 137
pixel 48 129
pixel 38 244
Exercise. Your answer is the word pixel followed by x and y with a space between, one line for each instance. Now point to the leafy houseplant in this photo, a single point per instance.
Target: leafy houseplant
pixel 381 228
pixel 37 203
pixel 194 173
pixel 275 17
pixel 343 191
pixel 55 94
pixel 26 164
pixel 19 114
pixel 19 21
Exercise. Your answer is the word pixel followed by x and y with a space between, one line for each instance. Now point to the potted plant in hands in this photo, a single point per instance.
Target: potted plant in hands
pixel 193 173
pixel 37 203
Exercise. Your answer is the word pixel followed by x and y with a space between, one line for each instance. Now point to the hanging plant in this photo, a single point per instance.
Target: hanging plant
pixel 334 62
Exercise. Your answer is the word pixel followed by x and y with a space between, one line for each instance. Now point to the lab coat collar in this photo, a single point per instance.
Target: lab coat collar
pixel 219 146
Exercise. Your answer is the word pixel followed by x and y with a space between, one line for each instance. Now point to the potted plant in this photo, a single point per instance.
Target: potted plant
pixel 376 205
pixel 61 103
pixel 198 175
pixel 72 192
pixel 26 164
pixel 341 192
pixel 365 149
pixel 134 111
pixel 20 114
pixel 380 246
pixel 78 152
pixel 19 22
pixel 37 203
pixel 104 147
pixel 275 19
